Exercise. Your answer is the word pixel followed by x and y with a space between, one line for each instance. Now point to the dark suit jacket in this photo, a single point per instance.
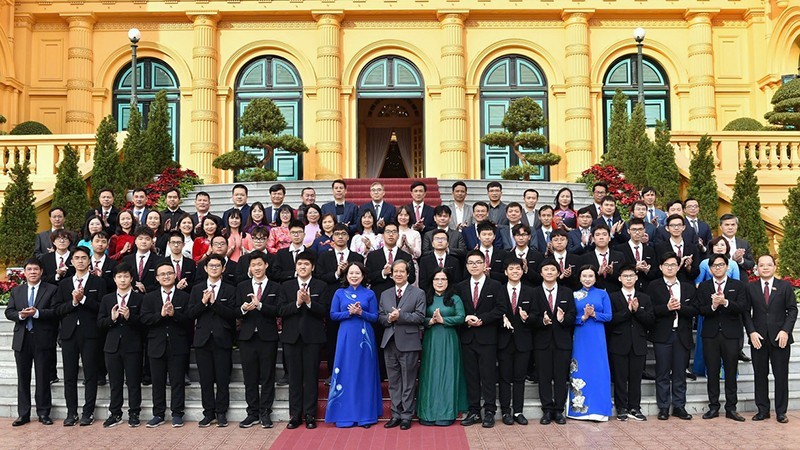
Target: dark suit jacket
pixel 628 331
pixel 306 322
pixel 245 215
pixel 145 212
pixel 661 329
pixel 522 335
pixel 173 217
pixel 282 267
pixel 45 327
pixel 328 262
pixel 727 320
pixel 491 306
pixel 647 254
pixel 684 275
pixel 388 211
pixel 84 313
pixel 662 235
pixel 350 215
pixel 228 275
pixel 768 320
pixel 218 219
pixel 43 243
pixel 595 213
pixel 455 243
pixel 471 240
pixel 50 266
pixel 541 242
pixel 533 259
pixel 148 274
pixel 264 319
pixel 427 217
pixel 243 266
pixel 173 329
pixel 213 320
pixel 188 272
pixel 376 260
pixel 111 219
pixel 609 282
pixel 107 271
pixel 704 231
pixel 748 261
pixel 123 335
pixel 575 243
pixel 649 229
pixel 558 334
pixel 572 282
pixel 496 269
pixel 429 264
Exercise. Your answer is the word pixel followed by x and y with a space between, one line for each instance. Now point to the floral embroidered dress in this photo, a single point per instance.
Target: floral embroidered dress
pixel 590 376
pixel 355 392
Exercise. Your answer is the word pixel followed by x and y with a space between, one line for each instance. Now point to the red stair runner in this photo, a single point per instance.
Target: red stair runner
pixel 397 190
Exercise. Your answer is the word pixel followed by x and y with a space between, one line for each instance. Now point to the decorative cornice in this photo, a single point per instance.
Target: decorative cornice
pixel 263 25
pixel 633 23
pixel 144 26
pixel 50 26
pixel 390 24
pixel 542 23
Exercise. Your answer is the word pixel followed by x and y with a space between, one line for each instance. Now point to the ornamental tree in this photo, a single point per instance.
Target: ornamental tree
pixel 137 164
pixel 661 170
pixel 746 205
pixel 157 142
pixel 70 190
pixel 789 250
pixel 522 121
pixel 786 105
pixel 18 217
pixel 703 182
pixel 638 150
pixel 616 146
pixel 106 168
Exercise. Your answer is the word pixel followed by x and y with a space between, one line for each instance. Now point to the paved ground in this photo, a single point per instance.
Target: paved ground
pixel 674 434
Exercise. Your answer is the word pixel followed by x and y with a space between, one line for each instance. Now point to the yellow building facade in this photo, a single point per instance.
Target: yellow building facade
pixel 365 81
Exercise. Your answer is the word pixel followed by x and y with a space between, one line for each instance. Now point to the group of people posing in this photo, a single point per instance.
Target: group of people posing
pixel 444 302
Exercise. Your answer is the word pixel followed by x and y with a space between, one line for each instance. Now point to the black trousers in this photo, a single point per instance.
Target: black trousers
pixel 86 350
pixel 480 371
pixel 39 359
pixel 552 365
pixel 214 365
pixel 125 368
pixel 513 368
pixel 671 360
pixel 258 368
pixel 627 372
pixel 175 366
pixel 779 359
pixel 303 362
pixel 717 349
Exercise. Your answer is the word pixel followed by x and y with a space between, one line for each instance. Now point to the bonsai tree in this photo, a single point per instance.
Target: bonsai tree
pixel 157 142
pixel 746 205
pixel 106 170
pixel 263 126
pixel 703 182
pixel 661 171
pixel 18 217
pixel 789 250
pixel 70 190
pixel 617 131
pixel 638 149
pixel 786 105
pixel 522 120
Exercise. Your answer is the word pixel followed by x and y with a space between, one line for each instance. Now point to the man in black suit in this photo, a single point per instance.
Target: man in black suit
pixel 101 265
pixel 440 258
pixel 663 233
pixel 165 312
pixel 213 305
pixel 599 192
pixel 202 205
pixel 553 316
pixel 686 251
pixel 741 252
pixel 169 216
pixel 259 235
pixel 530 216
pixel 769 320
pixel 143 261
pixel 529 256
pixel 455 240
pixel 632 314
pixel 346 212
pixel 44 244
pixel 580 238
pixel 119 316
pixel 703 231
pixel 721 301
pixel 257 302
pixel 480 213
pixel 543 234
pixel 277 194
pixel 568 264
pixel 505 231
pixel 422 218
pixel 78 303
pixel 185 268
pixel 219 247
pixel 34 343
pixel 139 209
pixel 515 343
pixel 609 216
pixel 671 334
pixel 382 211
pixel 284 261
pixel 484 304
pixel 239 198
pixel 639 211
pixel 302 308
pixel 638 254
pixel 606 260
pixel 57 265
pixel 495 257
pixel 106 212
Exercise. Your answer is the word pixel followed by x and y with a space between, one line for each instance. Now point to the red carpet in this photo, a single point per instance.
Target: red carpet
pixel 327 436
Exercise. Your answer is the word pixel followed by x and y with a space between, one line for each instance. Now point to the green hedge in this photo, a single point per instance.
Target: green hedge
pixel 29 128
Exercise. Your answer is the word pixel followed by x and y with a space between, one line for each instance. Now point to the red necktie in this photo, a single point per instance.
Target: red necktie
pixel 61 262
pixel 419 214
pixel 680 252
pixel 259 292
pixel 391 257
pixel 168 299
pixel 513 300
pixel 303 286
pixel 475 295
pixel 630 298
pixel 399 294
pixel 213 291
pixel 97 264
pixel 637 254
pixel 766 292
pixel 341 257
pixel 80 283
pixel 561 263
pixel 550 299
pixel 605 262
pixel 178 270
pixel 294 254
pixel 441 263
pixel 122 300
pixel 488 259
pixel 141 267
pixel 719 286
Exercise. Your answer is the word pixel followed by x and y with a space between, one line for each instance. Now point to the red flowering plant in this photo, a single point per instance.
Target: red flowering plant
pixel 171 177
pixel 625 193
pixel 14 278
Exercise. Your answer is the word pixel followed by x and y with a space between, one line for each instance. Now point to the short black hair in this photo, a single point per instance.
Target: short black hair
pixel 239 186
pixel 139 189
pixel 81 249
pixel 457 184
pixel 549 262
pixel 202 194
pixel 530 190
pixel 648 189
pixel 673 203
pixel 33 262
pixel 487 225
pixel 599 226
pixel 417 184
pixel 438 231
pixel 512 261
pixel 215 257
pixel 101 234
pixel 277 187
pixel 715 256
pixel 585 210
pixel 338 181
pixel 674 217
pixel 442 209
pixel 123 267
pixel 669 255
pixel 521 227
pixel 307 256
pixel 514 205
pixel 59 234
pixel 480 203
pixel 258 254
pixel 175 190
pixel 294 223
pixel 558 232
pixel 144 231
pixel 493 184
pixel 110 191
pixel 57 208
pixel 601 184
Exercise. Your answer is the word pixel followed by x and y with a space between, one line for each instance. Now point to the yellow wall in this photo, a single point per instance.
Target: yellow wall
pixel 724 59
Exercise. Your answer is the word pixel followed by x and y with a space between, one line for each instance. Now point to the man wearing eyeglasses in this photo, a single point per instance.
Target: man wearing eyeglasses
pixel 382 211
pixel 219 247
pixel 57 265
pixel 259 235
pixel 283 268
pixel 685 250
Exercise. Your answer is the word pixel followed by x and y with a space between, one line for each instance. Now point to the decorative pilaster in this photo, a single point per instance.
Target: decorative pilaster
pixel 703 111
pixel 578 114
pixel 205 119
pixel 453 113
pixel 330 161
pixel 80 58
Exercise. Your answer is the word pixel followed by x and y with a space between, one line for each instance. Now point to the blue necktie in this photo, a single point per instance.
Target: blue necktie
pixel 31 301
pixel 610 223
pixel 547 236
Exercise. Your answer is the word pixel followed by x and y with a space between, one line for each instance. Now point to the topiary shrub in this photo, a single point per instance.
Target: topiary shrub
pixel 235 160
pixel 256 174
pixel 29 128
pixel 543 159
pixel 786 105
pixel 520 172
pixel 743 124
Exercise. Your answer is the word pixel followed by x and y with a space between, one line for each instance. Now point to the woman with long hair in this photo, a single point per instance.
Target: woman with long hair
pixel 92 225
pixel 239 242
pixel 153 222
pixel 186 227
pixel 201 247
pixel 366 239
pixel 324 241
pixel 279 236
pixel 564 215
pixel 311 219
pixel 121 243
pixel 256 218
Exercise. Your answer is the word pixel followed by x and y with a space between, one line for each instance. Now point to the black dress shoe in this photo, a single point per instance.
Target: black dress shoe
pixel 648 375
pixel 783 419
pixel 71 420
pixel 760 416
pixel 393 422
pixel 311 422
pixel 681 413
pixel 294 422
pixel 508 419
pixel 367 426
pixel 488 420
pixel 546 419
pixel 102 381
pixel 733 415
pixel 520 419
pixel 663 414
pixel 559 418
pixel 743 357
pixel 471 419
pixel 45 420
pixel 690 375
pixel 20 421
pixel 54 380
pixel 711 413
pixel 405 424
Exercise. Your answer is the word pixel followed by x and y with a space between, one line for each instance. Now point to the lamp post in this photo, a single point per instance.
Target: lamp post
pixel 134 35
pixel 638 36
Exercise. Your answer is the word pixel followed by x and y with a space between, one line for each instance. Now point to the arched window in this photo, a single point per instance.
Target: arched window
pixel 277 79
pixel 508 78
pixel 390 77
pixel 153 76
pixel 623 75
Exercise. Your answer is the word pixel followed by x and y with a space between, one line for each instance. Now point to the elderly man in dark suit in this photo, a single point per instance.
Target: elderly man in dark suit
pixel 769 320
pixel 382 211
pixel 35 331
pixel 402 313
pixel 741 252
